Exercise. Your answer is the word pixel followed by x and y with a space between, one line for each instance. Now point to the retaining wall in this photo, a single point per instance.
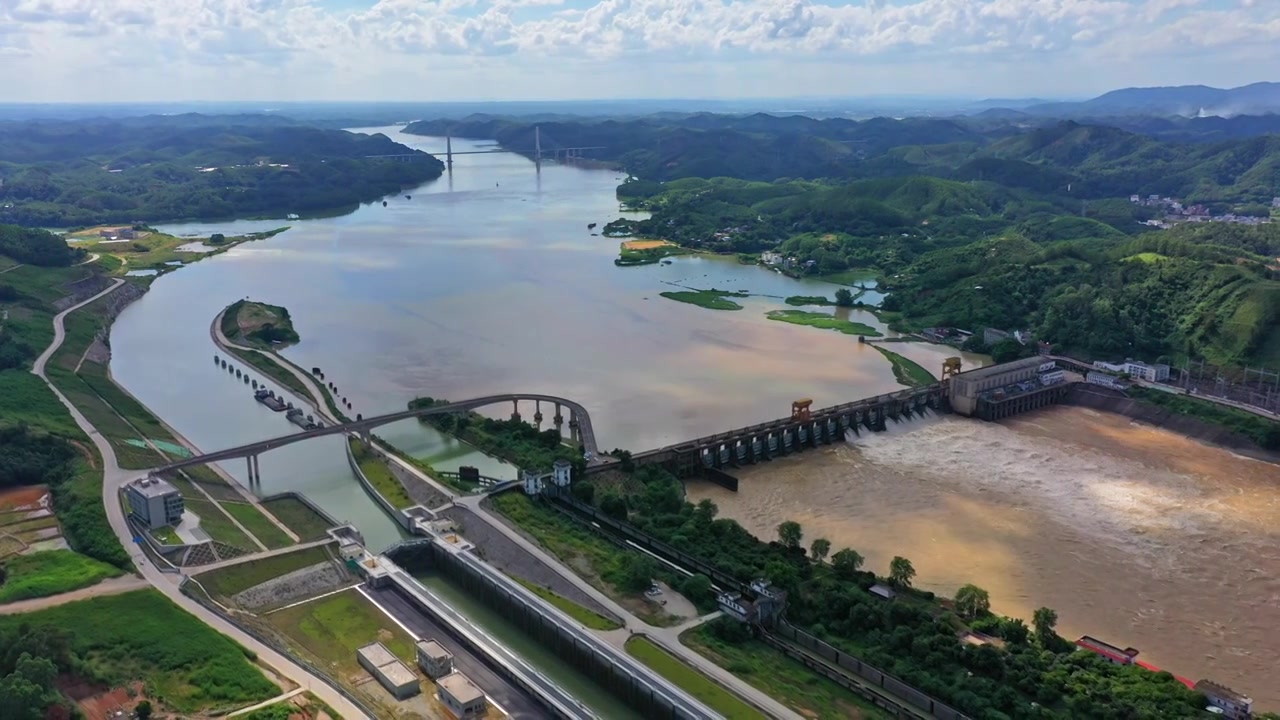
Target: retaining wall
pixel 404 520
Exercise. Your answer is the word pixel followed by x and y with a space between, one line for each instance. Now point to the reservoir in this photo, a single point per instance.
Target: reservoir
pixel 488 281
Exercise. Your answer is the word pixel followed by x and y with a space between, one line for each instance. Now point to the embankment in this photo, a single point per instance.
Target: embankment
pixel 1113 401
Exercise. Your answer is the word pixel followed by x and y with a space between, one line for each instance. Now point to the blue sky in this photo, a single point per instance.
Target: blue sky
pixel 142 50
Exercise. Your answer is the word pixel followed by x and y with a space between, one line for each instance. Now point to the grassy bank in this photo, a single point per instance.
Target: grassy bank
pixel 781 678
pixel 590 619
pixel 823 321
pixel 1264 432
pixel 514 441
pixel 809 300
pixel 267 365
pixel 709 299
pixel 306 523
pixel 217 523
pixel 379 475
pixel 51 572
pixel 260 525
pixel 332 628
pixel 186 665
pixel 590 555
pixel 228 581
pixel 905 371
pixel 691 681
pixel 647 252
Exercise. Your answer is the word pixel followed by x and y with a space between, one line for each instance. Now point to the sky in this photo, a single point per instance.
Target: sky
pixel 441 50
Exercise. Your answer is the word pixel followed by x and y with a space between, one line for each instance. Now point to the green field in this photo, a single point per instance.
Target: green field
pixel 588 618
pixel 51 572
pixel 260 525
pixel 187 665
pixel 823 321
pixel 375 469
pixel 906 371
pixel 24 398
pixel 710 299
pixel 781 678
pixel 228 581
pixel 302 520
pixel 217 524
pixel 691 681
pixel 852 278
pixel 809 300
pixel 332 628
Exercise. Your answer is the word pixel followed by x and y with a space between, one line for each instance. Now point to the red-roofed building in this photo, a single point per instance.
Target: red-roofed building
pixel 1108 651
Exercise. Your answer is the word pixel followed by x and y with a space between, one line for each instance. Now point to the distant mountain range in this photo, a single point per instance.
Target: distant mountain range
pixel 1184 100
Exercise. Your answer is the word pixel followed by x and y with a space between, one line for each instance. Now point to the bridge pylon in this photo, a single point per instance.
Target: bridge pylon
pixel 448 151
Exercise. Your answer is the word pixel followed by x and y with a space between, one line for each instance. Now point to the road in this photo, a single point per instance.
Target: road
pixel 668 638
pixel 113 477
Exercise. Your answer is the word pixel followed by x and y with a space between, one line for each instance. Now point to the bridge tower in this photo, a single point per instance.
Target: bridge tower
pixel 537 146
pixel 448 151
pixel 800 411
pixel 950 368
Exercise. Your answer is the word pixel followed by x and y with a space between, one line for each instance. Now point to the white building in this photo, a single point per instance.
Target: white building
pixel 1150 373
pixel 461 697
pixel 387 669
pixel 771 258
pixel 560 476
pixel 1234 705
pixel 434 660
pixel 154 502
pixel 1052 377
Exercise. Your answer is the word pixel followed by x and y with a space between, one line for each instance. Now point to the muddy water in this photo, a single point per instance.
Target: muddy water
pixel 1133 534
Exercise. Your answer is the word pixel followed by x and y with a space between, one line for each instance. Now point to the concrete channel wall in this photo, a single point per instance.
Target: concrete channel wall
pixel 405 521
pixel 628 679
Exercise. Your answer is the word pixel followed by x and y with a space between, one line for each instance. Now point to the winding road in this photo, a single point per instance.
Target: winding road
pixel 113 477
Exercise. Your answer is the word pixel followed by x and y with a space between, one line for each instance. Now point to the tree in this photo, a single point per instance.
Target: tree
pixel 637 573
pixel 1045 620
pixel 696 587
pixel 790 534
pixel 819 549
pixel 844 298
pixel 972 601
pixel 583 491
pixel 901 572
pixel 143 711
pixel 1014 631
pixel 217 239
pixel 846 563
pixel 613 505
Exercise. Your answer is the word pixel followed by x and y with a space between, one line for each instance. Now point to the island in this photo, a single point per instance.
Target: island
pixel 258 325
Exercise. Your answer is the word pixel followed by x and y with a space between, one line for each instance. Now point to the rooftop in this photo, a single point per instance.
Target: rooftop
pixel 1106 649
pixel 1222 692
pixel 152 486
pixel 432 649
pixel 377 654
pixel 990 370
pixel 460 688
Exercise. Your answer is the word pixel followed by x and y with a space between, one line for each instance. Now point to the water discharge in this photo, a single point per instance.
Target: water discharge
pixel 1133 534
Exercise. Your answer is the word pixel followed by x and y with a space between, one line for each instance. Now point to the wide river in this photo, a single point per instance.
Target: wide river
pixel 487 281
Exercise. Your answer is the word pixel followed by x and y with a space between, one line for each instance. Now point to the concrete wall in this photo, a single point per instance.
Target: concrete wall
pixel 405 521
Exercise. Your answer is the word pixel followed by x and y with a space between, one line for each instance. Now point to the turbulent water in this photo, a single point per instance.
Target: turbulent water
pixel 1135 535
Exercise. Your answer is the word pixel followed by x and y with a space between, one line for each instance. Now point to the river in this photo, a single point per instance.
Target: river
pixel 1135 535
pixel 487 280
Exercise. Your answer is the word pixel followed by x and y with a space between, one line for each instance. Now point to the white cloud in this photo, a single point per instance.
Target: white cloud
pixel 541 48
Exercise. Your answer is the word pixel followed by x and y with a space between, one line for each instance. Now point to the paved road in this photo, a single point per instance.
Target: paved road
pixel 113 478
pixel 668 638
pixel 110 586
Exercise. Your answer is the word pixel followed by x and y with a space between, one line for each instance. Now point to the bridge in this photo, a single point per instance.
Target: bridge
pixel 580 430
pixel 537 151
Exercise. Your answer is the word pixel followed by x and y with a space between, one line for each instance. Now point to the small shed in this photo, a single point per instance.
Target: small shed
pixel 434 660
pixel 461 696
pixel 883 591
pixel 394 675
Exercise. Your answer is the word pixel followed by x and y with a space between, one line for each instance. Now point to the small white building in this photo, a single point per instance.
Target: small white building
pixel 434 660
pixel 561 476
pixel 387 669
pixel 771 258
pixel 1105 380
pixel 1052 377
pixel 461 697
pixel 154 502
pixel 1150 373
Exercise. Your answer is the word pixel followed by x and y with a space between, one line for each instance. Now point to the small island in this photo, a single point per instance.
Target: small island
pixel 258 325
pixel 710 299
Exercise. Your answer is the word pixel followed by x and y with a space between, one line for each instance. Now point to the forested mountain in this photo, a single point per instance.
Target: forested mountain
pixel 981 254
pixel 62 174
pixel 1186 100
pixel 1083 160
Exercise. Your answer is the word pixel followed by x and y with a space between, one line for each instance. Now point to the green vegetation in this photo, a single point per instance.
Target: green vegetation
pixel 515 441
pixel 645 252
pixel 256 522
pixel 268 365
pixel 776 674
pixel 709 299
pixel 301 707
pixel 823 321
pixel 913 637
pixel 188 667
pixel 905 371
pixel 87 172
pixel 379 475
pixel 1261 430
pixel 624 575
pixel 809 300
pixel 588 618
pixel 260 325
pixel 306 523
pixel 228 581
pixel 48 573
pixel 691 681
pixel 217 523
pixel 332 628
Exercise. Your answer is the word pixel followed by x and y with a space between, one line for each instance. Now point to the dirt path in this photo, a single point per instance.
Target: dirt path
pixel 110 586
